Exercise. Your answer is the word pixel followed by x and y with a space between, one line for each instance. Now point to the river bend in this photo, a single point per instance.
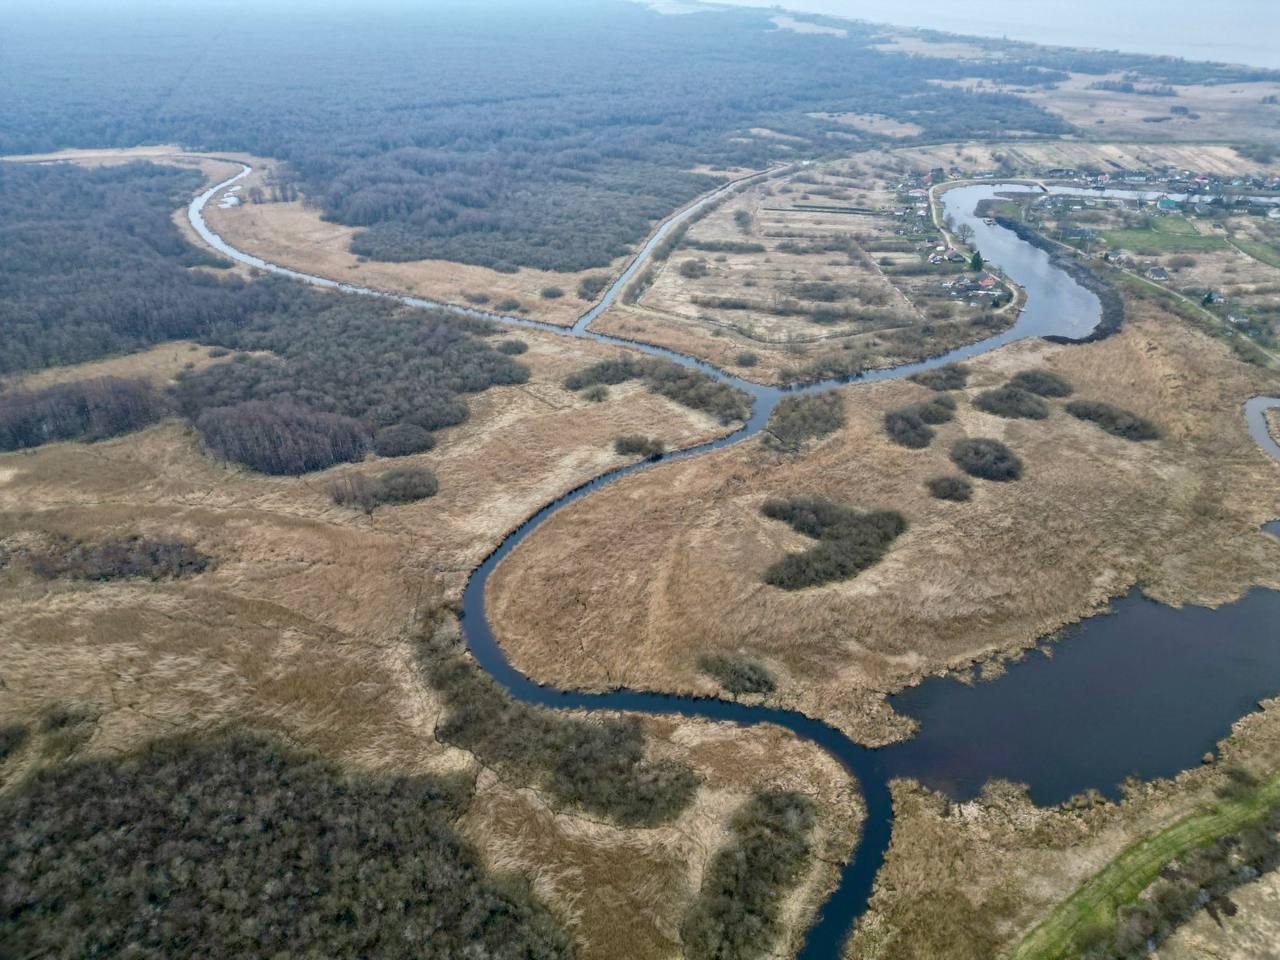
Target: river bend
pixel 1056 306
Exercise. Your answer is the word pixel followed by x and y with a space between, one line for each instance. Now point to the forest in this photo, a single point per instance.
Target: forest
pixel 497 134
pixel 236 845
pixel 93 265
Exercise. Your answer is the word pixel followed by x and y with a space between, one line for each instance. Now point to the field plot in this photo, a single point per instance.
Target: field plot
pixel 1037 158
pixel 677 554
pixel 300 626
pixel 823 271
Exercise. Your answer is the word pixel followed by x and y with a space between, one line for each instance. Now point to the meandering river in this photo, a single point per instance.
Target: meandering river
pixel 1100 710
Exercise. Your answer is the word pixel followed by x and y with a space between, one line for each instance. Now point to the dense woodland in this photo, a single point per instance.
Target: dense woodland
pixel 237 846
pixel 85 410
pixel 499 133
pixel 94 265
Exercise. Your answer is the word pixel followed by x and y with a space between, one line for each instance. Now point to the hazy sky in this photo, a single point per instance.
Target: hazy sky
pixel 1236 31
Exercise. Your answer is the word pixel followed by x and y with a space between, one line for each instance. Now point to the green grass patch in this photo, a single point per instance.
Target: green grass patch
pixel 1093 907
pixel 1262 252
pixel 1168 235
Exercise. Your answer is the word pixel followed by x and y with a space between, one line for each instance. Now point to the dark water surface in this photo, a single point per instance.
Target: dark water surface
pixel 1145 689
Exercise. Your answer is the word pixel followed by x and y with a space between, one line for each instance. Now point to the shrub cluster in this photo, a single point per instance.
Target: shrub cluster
pixel 737 674
pixel 402 440
pixel 512 348
pixel 952 376
pixel 606 372
pixel 236 845
pixel 693 269
pixel 697 391
pixel 686 386
pixel 638 445
pixel 596 766
pixel 116 558
pixel 402 485
pixel 282 438
pixel 590 287
pixel 1012 402
pixel 552 293
pixel 1117 422
pixel 725 246
pixel 848 541
pixel 799 418
pixel 85 410
pixel 950 488
pixel 13 736
pixel 746 358
pixel 987 459
pixel 736 915
pixel 909 426
pixel 1043 383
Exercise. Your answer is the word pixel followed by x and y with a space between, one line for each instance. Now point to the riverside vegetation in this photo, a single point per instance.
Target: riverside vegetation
pixel 692 388
pixel 736 914
pixel 597 766
pixel 797 419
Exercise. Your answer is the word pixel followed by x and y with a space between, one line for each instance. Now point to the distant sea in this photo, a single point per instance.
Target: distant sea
pixel 1233 31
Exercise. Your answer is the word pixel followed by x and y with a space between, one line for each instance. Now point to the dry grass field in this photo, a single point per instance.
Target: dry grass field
pixel 301 627
pixel 160 365
pixel 294 235
pixel 822 268
pixel 1232 111
pixel 965 880
pixel 632 585
pixel 1273 422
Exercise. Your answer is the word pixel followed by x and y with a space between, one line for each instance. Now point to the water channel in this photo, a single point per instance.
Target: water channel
pixel 1143 689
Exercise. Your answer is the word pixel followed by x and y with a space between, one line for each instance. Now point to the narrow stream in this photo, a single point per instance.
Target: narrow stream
pixel 1056 305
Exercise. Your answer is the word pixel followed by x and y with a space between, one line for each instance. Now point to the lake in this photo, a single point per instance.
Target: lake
pixel 1239 31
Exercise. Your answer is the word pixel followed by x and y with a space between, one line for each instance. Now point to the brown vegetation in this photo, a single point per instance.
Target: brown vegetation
pixel 282 635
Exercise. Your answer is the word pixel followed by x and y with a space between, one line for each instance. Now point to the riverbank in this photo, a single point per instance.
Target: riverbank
pixel 1112 316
